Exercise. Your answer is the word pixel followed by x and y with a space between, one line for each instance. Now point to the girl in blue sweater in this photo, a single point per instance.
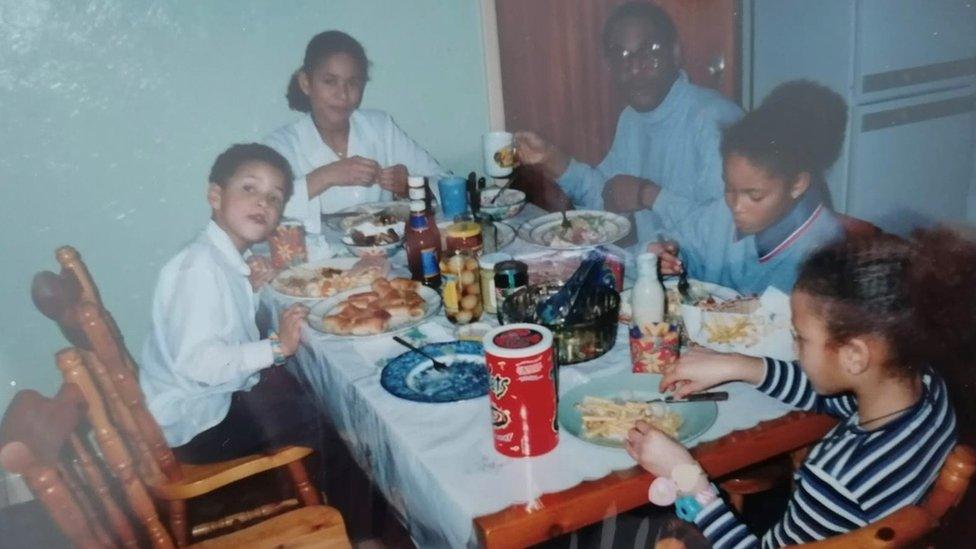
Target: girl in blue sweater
pixel 774 212
pixel 879 323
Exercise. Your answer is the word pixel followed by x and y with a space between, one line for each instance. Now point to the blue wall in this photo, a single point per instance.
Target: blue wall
pixel 113 110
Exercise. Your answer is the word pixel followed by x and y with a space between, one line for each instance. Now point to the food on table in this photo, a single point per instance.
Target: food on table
pixel 389 215
pixel 461 288
pixel 359 238
pixel 742 305
pixel 611 419
pixel 389 304
pixel 307 281
pixel 582 230
pixel 731 330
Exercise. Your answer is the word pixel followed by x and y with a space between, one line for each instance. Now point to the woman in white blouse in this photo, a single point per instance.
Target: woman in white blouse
pixel 342 155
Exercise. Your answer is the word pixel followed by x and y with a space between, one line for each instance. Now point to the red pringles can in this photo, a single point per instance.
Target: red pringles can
pixel 522 389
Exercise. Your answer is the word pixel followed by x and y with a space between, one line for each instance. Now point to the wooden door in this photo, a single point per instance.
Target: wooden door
pixel 556 82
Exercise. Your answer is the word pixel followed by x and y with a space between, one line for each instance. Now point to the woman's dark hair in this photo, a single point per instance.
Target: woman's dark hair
pixel 227 163
pixel 919 295
pixel 798 128
pixel 643 11
pixel 322 46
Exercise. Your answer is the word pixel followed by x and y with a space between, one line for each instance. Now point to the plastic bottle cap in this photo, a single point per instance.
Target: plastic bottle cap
pixel 417 193
pixel 417 206
pixel 415 181
pixel 464 229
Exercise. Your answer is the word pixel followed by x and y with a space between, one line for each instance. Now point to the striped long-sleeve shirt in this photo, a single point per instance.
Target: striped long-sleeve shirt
pixel 853 476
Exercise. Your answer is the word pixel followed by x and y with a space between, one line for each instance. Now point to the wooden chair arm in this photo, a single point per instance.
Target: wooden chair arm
pixel 202 479
pixel 899 529
pixel 319 526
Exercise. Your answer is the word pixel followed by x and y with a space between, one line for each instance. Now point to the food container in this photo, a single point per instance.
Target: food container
pixel 464 235
pixel 508 205
pixel 486 271
pixel 654 346
pixel 522 389
pixel 510 276
pixel 460 287
pixel 585 340
pixel 287 244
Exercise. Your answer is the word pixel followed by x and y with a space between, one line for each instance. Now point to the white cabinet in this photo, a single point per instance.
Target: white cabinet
pixel 907 69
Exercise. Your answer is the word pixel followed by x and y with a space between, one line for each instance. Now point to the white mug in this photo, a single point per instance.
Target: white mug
pixel 499 151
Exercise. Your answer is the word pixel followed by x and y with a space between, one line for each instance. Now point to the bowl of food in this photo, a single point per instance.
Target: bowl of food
pixel 509 204
pixel 591 336
pixel 369 240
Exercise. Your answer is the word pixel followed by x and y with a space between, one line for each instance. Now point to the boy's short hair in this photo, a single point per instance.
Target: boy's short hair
pixel 230 160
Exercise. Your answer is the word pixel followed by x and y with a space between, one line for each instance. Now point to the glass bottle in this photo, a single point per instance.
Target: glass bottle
pixel 647 298
pixel 423 245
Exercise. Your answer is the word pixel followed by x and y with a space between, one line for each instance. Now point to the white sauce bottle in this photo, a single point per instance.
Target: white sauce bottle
pixel 647 298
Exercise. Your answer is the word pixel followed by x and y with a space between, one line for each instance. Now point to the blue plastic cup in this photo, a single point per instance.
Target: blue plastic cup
pixel 454 195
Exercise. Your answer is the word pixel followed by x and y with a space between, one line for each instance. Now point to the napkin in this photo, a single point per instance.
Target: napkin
pixel 381 349
pixel 768 327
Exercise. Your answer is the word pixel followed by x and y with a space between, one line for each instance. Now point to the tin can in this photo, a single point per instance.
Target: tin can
pixel 522 389
pixel 287 244
pixel 486 272
pixel 510 276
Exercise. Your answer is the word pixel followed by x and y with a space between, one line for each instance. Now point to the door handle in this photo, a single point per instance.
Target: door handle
pixel 717 66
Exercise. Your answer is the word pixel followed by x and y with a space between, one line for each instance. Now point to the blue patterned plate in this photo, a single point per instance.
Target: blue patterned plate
pixel 413 377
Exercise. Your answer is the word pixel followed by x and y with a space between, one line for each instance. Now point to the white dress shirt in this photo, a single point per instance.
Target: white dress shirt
pixel 204 342
pixel 372 134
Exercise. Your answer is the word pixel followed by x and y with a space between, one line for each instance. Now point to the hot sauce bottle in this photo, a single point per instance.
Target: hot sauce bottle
pixel 423 243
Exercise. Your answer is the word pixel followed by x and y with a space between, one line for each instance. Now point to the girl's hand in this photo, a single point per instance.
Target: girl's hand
pixel 700 369
pixel 352 171
pixel 667 254
pixel 290 327
pixel 261 271
pixel 394 179
pixel 655 451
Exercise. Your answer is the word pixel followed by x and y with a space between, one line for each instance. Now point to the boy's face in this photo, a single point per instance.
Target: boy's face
pixel 249 205
pixel 757 198
pixel 818 358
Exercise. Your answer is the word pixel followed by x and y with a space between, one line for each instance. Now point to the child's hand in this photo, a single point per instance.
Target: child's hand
pixel 700 369
pixel 261 271
pixel 654 450
pixel 290 327
pixel 667 254
pixel 394 179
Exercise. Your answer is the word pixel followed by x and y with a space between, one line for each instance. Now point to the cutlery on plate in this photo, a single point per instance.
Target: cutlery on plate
pixel 683 285
pixel 437 364
pixel 566 224
pixel 501 189
pixel 337 215
pixel 694 397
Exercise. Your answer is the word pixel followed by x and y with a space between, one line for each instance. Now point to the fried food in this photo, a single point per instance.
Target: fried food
pixel 305 281
pixel 611 419
pixel 388 304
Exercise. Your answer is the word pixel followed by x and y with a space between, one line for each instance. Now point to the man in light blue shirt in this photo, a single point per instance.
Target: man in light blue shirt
pixel 665 157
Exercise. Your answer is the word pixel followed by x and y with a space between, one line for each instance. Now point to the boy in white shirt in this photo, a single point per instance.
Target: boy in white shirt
pixel 212 384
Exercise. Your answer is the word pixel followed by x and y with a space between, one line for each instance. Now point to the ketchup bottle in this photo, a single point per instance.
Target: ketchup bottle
pixel 423 243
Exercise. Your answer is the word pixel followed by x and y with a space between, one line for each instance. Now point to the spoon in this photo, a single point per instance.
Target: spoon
pixel 438 365
pixel 501 189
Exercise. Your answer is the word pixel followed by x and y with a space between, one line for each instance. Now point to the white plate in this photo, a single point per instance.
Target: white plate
pixel 432 304
pixel 401 207
pixel 307 269
pixel 540 231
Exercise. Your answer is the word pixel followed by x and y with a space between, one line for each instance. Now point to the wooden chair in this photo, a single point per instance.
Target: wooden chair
pixel 910 525
pixel 46 441
pixel 857 227
pixel 90 328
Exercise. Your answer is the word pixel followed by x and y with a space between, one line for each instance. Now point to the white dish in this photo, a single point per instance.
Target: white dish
pixel 400 208
pixel 307 271
pixel 606 227
pixel 432 304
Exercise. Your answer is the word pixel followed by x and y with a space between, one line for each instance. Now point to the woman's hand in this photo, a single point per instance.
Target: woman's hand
pixel 350 172
pixel 667 254
pixel 290 327
pixel 533 150
pixel 700 369
pixel 261 271
pixel 654 450
pixel 394 179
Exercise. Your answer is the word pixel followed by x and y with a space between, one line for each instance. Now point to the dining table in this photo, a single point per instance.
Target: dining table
pixel 436 465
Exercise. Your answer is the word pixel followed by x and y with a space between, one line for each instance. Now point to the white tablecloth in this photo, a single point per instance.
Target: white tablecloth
pixel 436 464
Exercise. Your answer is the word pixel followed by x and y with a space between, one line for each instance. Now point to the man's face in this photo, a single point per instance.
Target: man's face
pixel 643 65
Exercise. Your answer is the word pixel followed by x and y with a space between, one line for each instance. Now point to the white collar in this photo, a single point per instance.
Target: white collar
pixel 221 240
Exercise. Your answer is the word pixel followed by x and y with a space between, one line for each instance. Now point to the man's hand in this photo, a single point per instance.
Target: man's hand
pixel 626 193
pixel 290 327
pixel 667 254
pixel 533 150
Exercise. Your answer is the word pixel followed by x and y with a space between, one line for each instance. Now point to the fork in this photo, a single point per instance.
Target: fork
pixel 566 224
pixel 438 365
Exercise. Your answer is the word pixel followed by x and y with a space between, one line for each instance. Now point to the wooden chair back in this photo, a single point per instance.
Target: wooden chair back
pixel 857 227
pixel 911 524
pixel 45 440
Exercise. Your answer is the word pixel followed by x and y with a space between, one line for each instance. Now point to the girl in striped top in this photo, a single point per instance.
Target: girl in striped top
pixel 879 323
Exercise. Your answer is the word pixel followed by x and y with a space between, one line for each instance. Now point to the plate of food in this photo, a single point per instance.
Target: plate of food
pixel 376 213
pixel 315 281
pixel 700 293
pixel 412 376
pixel 367 239
pixel 586 228
pixel 603 410
pixel 387 306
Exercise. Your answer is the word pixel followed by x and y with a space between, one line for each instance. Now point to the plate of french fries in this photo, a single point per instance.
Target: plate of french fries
pixel 751 325
pixel 603 410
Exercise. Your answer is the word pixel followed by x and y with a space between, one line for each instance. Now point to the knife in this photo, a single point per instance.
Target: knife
pixel 695 397
pixel 339 215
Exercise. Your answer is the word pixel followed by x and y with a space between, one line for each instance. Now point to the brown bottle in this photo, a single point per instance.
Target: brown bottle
pixel 423 245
